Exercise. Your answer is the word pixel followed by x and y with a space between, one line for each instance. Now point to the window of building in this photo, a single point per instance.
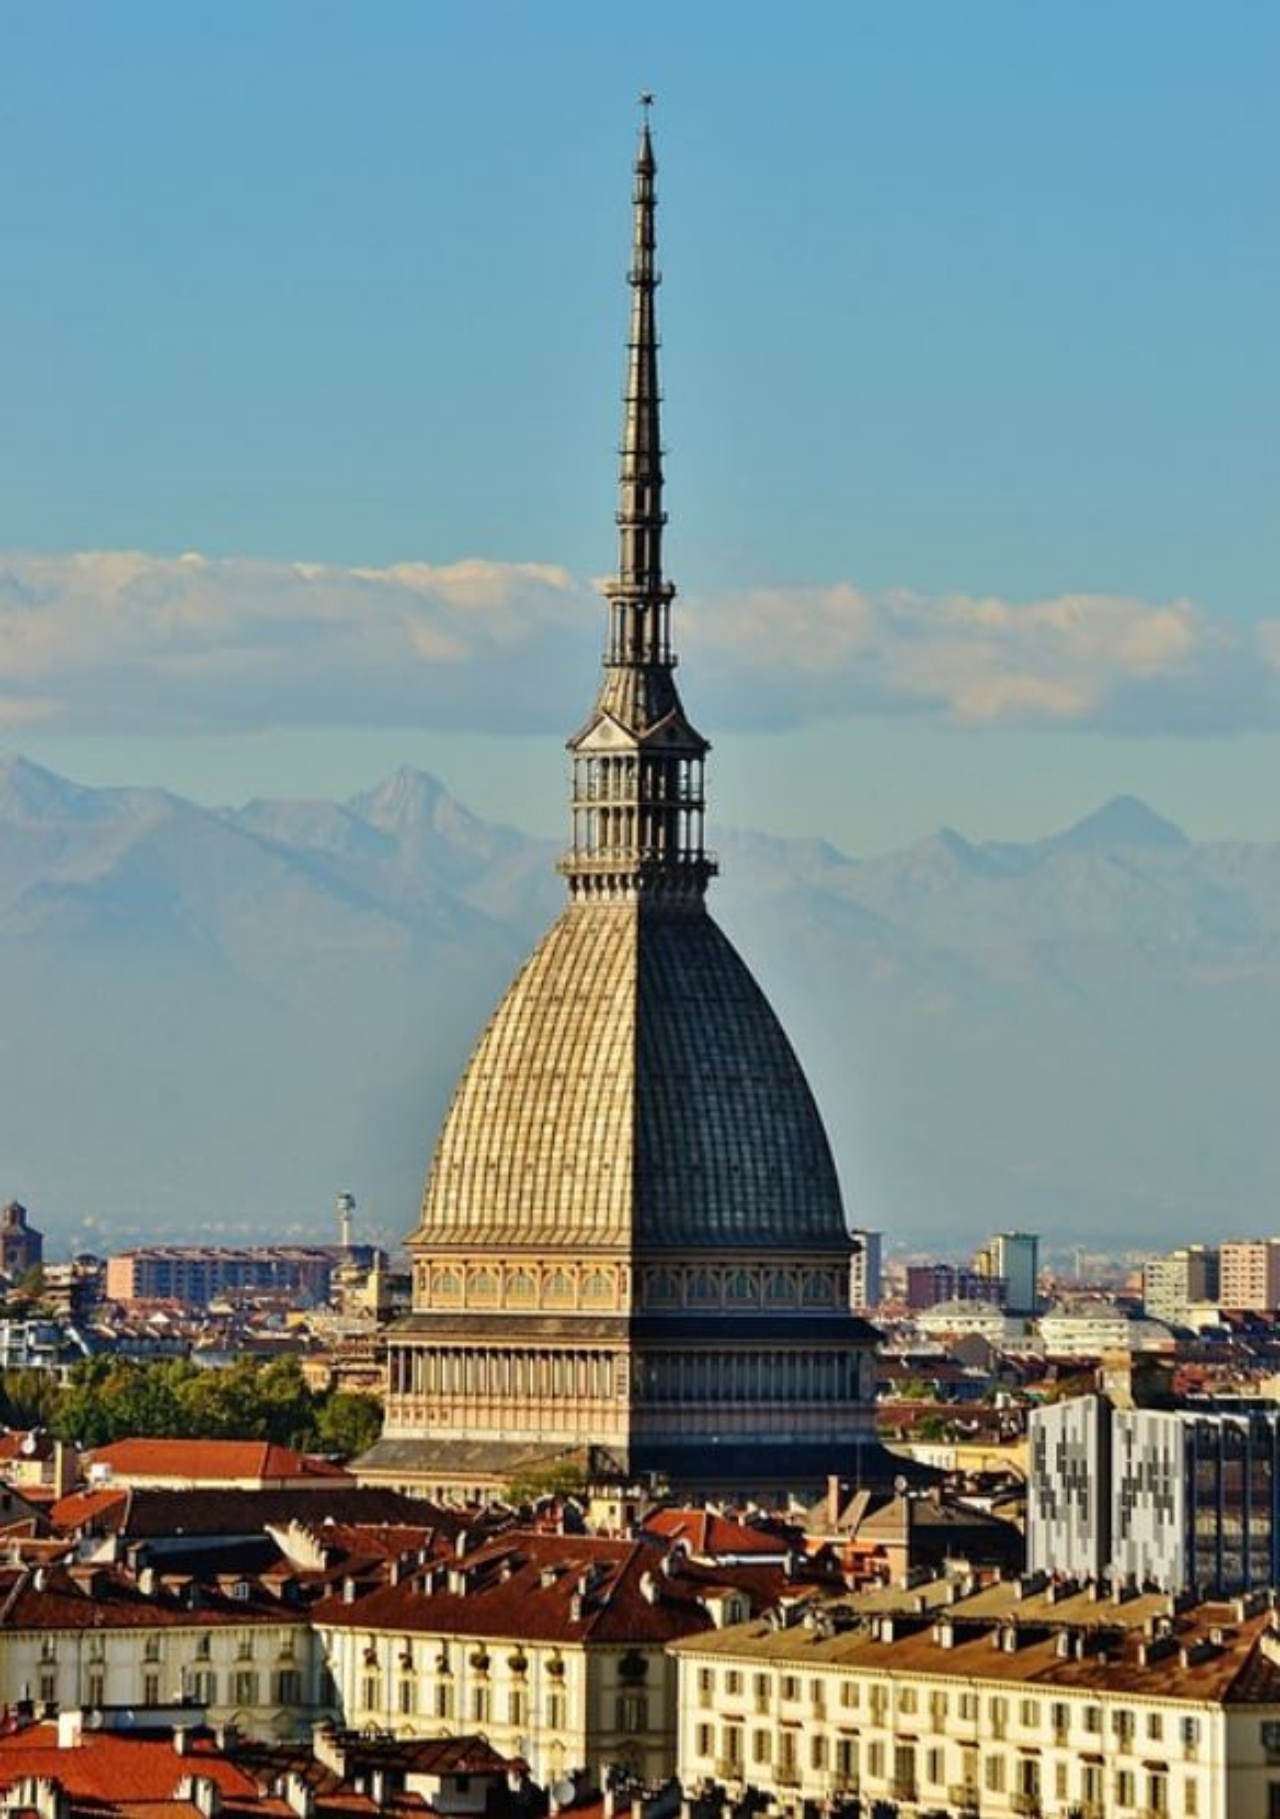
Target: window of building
pixel 597 1291
pixel 818 1696
pixel 1028 1714
pixel 1060 1781
pixel 557 1290
pixel 555 1711
pixel 846 1761
pixel 1091 1784
pixel 633 1712
pixel 761 1747
pixel 48 1688
pixel 1122 1726
pixel 969 1707
pixel 849 1695
pixel 733 1683
pixel 1158 1791
pixel 1060 1719
pixel 444 1698
pixel 998 1716
pixel 907 1700
pixel 790 1688
pixel 706 1685
pixel 761 1685
pixel 1190 1728
pixel 517 1705
pixel 818 1750
pixel 404 1694
pixel 289 1688
pixel 151 1649
pixel 95 1692
pixel 1155 1726
pixel 204 1647
pixel 731 1745
pixel 993 1774
pixel 1028 1775
pixel 204 1687
pixel 244 1687
pixel 934 1767
pixel 704 1739
pixel 875 1760
pixel 1124 1787
pixel 479 1705
pixel 1273 1800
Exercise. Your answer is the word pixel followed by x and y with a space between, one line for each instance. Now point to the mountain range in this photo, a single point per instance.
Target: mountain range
pixel 211 1021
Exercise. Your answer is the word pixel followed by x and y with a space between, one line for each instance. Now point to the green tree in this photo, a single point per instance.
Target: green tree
pixel 28 1397
pixel 348 1423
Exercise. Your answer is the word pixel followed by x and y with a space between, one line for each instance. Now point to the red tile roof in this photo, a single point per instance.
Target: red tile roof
pixel 713 1536
pixel 109 1767
pixel 207 1461
pixel 555 1588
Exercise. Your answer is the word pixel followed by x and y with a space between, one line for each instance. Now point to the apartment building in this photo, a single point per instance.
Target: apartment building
pixel 1008 1699
pixel 91 1637
pixel 1249 1275
pixel 1179 1498
pixel 1179 1281
pixel 553 1646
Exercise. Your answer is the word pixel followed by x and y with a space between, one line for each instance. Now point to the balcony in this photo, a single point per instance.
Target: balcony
pixel 728 1768
pixel 903 1787
pixel 1028 1804
pixel 787 1774
pixel 963 1796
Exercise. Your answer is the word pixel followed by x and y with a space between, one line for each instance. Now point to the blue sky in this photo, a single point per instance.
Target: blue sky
pixel 970 359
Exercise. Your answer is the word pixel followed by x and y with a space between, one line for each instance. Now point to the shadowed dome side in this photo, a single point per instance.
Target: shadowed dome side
pixel 730 1147
pixel 634 1088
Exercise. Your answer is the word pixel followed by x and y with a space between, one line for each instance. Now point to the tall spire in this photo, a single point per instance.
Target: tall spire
pixel 638 802
pixel 641 599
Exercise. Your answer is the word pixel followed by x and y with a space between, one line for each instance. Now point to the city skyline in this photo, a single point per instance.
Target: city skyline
pixel 972 391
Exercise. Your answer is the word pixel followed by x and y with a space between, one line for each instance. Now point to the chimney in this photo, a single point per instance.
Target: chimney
pixel 65 1469
pixel 182 1739
pixel 326 1748
pixel 299 1795
pixel 70 1729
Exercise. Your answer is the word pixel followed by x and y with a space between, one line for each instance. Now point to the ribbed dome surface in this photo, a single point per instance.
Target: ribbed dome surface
pixel 634 1088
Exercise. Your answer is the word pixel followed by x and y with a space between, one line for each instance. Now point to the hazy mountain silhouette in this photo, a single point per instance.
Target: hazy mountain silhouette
pixel 212 1021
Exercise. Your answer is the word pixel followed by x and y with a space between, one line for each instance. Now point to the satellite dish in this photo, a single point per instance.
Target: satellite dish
pixel 93 1720
pixel 900 1485
pixel 563 1792
pixel 127 1719
pixel 28 1445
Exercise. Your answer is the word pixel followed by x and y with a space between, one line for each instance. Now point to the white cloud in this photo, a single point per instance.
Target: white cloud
pixel 129 642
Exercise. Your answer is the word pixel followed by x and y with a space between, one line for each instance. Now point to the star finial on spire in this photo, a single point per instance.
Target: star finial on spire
pixel 646 102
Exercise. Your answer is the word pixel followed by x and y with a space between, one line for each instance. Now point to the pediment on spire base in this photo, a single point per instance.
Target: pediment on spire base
pixel 606 734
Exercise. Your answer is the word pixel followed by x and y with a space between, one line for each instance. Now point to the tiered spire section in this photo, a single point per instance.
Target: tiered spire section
pixel 638 804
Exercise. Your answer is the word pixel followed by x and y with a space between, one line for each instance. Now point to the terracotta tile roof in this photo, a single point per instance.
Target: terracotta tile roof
pixel 68 1598
pixel 144 1514
pixel 555 1588
pixel 203 1460
pixel 711 1535
pixel 102 1508
pixel 110 1768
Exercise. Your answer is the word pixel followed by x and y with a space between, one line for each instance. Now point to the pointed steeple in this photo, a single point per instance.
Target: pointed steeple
pixel 638 806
